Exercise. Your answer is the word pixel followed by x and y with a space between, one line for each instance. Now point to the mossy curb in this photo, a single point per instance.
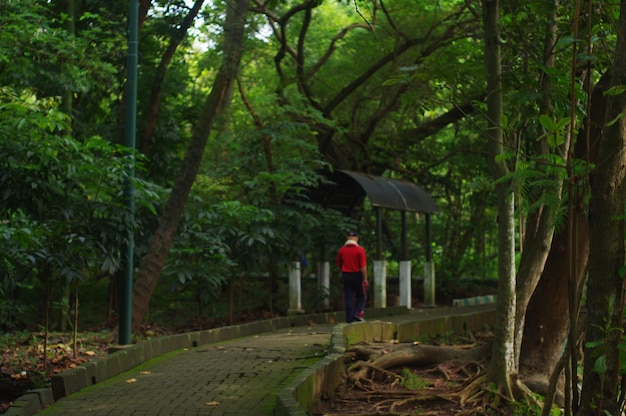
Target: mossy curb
pixel 127 357
pixel 298 398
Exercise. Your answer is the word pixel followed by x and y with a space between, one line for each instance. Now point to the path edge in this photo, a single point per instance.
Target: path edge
pixel 128 357
pixel 319 380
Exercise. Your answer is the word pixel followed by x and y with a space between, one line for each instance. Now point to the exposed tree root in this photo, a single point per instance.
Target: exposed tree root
pixel 416 355
pixel 378 379
pixel 480 394
pixel 381 414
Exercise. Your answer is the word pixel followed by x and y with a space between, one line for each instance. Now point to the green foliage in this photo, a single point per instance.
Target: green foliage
pixel 599 350
pixel 36 52
pixel 353 90
pixel 531 407
pixel 215 242
pixel 62 218
pixel 556 131
pixel 412 381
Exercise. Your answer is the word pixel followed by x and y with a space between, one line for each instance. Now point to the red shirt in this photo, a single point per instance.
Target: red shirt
pixel 351 258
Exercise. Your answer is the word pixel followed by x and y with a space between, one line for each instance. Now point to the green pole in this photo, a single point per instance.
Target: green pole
pixel 130 124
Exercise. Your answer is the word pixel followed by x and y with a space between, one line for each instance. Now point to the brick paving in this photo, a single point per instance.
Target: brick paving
pixel 240 377
pixel 237 377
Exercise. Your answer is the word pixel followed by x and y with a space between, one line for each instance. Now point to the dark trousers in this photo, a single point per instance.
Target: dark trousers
pixel 353 288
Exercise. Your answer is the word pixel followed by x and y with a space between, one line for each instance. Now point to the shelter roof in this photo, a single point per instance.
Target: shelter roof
pixel 346 189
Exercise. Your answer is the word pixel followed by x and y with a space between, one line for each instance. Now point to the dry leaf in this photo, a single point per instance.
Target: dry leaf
pixel 145 372
pixel 90 353
pixel 212 404
pixel 131 380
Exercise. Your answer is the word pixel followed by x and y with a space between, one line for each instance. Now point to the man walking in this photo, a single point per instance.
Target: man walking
pixel 352 262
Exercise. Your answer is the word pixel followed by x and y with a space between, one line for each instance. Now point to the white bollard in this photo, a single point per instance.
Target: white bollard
pixel 380 284
pixel 295 290
pixel 405 283
pixel 429 284
pixel 323 271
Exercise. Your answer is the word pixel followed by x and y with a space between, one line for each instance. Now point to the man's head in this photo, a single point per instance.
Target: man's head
pixel 353 235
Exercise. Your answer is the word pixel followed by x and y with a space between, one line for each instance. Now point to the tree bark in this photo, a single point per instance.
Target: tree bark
pixel 547 324
pixel 152 264
pixel 425 355
pixel 503 366
pixel 605 287
pixel 538 239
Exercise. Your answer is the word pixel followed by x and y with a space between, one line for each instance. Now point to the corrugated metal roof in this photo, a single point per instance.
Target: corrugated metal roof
pixel 347 189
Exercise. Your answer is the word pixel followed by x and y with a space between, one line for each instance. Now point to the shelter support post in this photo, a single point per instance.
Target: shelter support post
pixel 380 284
pixel 405 266
pixel 405 283
pixel 380 266
pixel 379 233
pixel 404 236
pixel 429 284
pixel 323 273
pixel 295 289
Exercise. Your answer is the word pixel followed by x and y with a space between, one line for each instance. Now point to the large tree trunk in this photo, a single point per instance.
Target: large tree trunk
pixel 547 324
pixel 152 265
pixel 503 364
pixel 605 287
pixel 540 224
pixel 547 321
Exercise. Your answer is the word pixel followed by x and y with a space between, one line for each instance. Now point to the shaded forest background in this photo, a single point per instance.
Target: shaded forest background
pixel 497 110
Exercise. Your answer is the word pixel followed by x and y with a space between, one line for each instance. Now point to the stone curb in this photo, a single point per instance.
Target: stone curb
pixel 298 397
pixel 128 357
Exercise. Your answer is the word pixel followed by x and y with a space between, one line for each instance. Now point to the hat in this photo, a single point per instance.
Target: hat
pixel 353 234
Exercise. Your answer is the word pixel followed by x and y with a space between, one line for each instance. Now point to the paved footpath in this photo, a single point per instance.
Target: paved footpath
pixel 237 377
pixel 240 377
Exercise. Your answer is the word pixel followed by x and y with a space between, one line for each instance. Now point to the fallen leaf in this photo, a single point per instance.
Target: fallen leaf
pixel 90 353
pixel 131 380
pixel 212 404
pixel 145 372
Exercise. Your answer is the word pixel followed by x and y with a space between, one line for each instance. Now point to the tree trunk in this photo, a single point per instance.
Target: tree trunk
pixel 503 357
pixel 547 324
pixel 540 225
pixel 152 264
pixel 605 287
pixel 547 320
